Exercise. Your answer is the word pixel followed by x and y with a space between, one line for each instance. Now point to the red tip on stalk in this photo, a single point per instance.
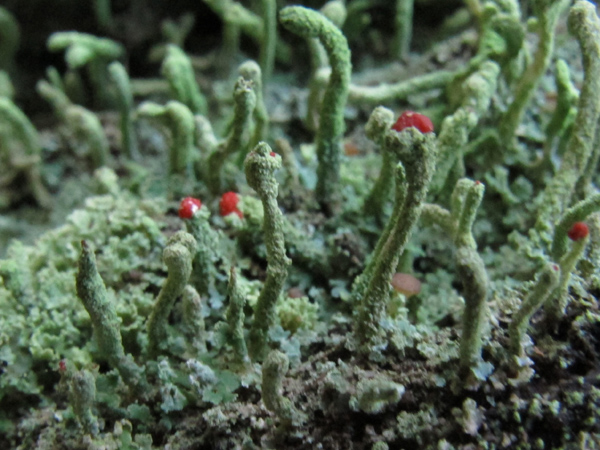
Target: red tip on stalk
pixel 578 231
pixel 273 154
pixel 413 119
pixel 62 366
pixel 188 207
pixel 228 204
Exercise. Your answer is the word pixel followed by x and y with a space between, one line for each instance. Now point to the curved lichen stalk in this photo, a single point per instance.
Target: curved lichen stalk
pixel 180 120
pixel 250 71
pixel 260 166
pixel 22 130
pixel 577 213
pixel 82 125
pixel 92 293
pixel 417 153
pixel 82 49
pixel 119 75
pixel 204 271
pixel 585 25
pixel 334 10
pixel 274 370
pixel 269 38
pixel 538 295
pixel 177 69
pixel 458 223
pixel 177 256
pixel 310 24
pixel 380 121
pixel 547 13
pixel 244 99
pixel 235 318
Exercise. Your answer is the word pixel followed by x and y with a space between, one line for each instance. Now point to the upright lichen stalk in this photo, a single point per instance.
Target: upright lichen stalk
pixel 310 24
pixel 23 131
pixel 92 293
pixel 585 25
pixel 177 256
pixel 539 294
pixel 273 370
pixel 251 72
pixel 260 166
pixel 381 119
pixel 177 69
pixel 458 223
pixel 235 318
pixel 269 38
pixel 244 99
pixel 180 121
pixel 474 278
pixel 417 153
pixel 547 14
pixel 404 19
pixel 119 75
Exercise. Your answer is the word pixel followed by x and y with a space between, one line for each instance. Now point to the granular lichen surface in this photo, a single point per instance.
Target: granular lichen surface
pixel 353 224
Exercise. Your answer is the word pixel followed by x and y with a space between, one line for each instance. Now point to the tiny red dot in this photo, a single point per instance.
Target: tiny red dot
pixel 413 119
pixel 578 231
pixel 188 207
pixel 228 204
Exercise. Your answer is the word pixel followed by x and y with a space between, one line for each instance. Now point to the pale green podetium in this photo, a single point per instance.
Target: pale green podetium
pixel 542 290
pixel 244 99
pixel 177 69
pixel 177 256
pixel 250 71
pixel 380 121
pixel 119 75
pixel 334 10
pixel 28 161
pixel 82 126
pixel 585 25
pixel 92 293
pixel 260 166
pixel 207 253
pixel 235 318
pixel 82 49
pixel 577 213
pixel 458 223
pixel 87 129
pixel 558 301
pixel 404 19
pixel 310 24
pixel 269 38
pixel 416 153
pixel 471 272
pixel 274 369
pixel 180 121
pixel 547 14
pixel 83 396
pixel 193 322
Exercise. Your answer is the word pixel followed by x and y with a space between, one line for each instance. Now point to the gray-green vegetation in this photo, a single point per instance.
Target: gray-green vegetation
pixel 334 277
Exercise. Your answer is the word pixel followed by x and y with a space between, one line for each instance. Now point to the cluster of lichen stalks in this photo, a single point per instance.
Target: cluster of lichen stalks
pixel 416 165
